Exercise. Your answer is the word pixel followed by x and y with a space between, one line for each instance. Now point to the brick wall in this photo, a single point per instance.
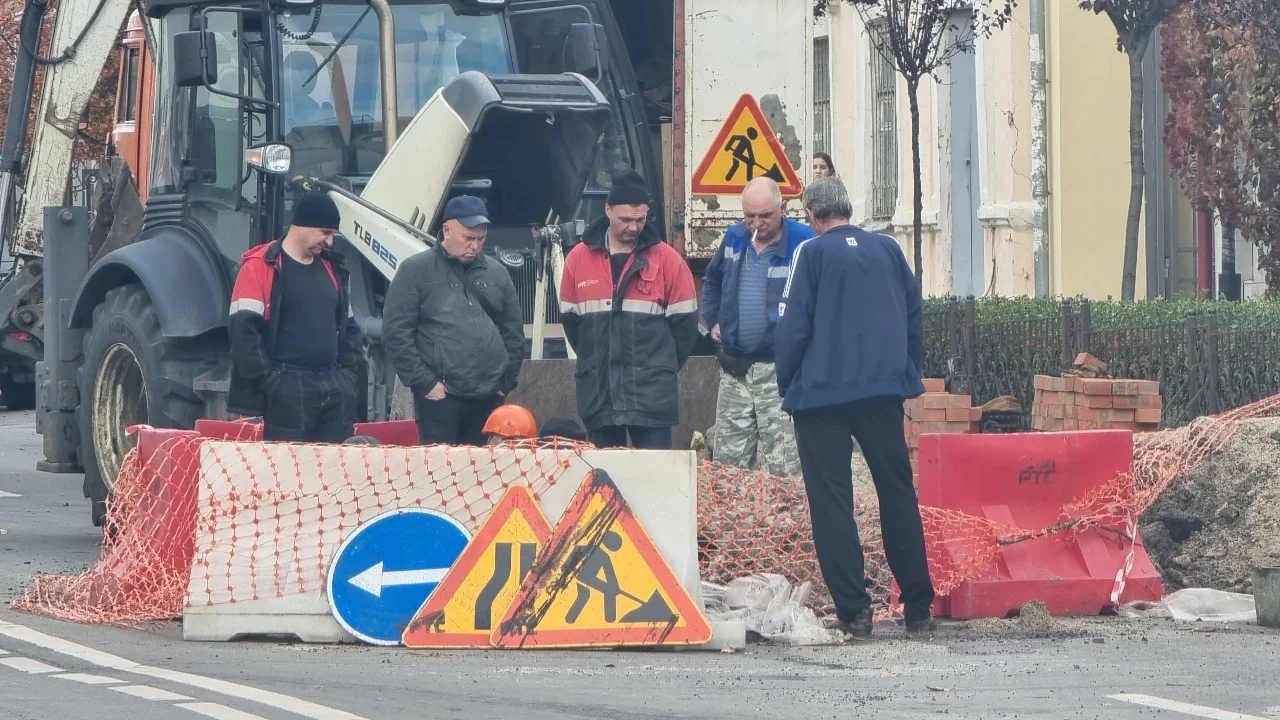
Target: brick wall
pixel 1079 403
pixel 938 411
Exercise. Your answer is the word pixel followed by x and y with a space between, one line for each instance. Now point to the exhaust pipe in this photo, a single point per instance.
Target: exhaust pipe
pixel 387 53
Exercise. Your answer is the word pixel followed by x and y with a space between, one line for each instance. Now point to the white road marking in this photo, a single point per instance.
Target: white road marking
pixel 27 665
pixel 88 679
pixel 115 662
pixel 4 495
pixel 219 712
pixel 146 692
pixel 1181 707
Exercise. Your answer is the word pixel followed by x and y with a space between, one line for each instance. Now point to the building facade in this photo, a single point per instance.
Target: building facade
pixel 978 133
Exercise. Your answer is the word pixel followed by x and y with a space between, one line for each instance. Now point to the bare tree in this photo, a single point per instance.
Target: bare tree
pixel 918 38
pixel 1135 21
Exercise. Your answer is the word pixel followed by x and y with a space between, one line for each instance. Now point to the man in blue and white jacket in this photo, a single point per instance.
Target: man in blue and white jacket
pixel 850 344
pixel 741 290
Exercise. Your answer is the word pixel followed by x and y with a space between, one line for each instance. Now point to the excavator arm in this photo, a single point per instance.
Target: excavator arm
pixel 84 35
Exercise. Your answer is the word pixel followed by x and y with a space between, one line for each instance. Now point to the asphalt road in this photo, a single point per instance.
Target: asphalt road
pixel 1096 668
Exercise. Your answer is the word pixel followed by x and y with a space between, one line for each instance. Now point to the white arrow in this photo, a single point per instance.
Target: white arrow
pixel 374 579
pixel 4 494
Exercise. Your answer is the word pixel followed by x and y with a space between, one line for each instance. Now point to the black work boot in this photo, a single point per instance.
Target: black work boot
pixel 920 624
pixel 860 626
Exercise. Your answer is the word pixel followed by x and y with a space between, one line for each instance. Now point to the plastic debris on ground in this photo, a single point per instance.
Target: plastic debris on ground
pixel 770 606
pixel 1197 605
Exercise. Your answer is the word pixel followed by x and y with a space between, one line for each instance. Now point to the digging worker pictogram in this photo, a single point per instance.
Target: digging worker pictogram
pixel 596 573
pixel 850 344
pixel 296 355
pixel 744 154
pixel 741 290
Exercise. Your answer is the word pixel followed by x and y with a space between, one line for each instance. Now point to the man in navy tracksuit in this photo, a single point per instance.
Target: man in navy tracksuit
pixel 849 345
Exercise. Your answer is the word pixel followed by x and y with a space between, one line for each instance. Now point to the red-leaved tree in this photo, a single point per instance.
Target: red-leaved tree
pixel 1220 65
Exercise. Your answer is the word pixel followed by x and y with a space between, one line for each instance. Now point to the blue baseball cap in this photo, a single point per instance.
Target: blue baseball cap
pixel 468 210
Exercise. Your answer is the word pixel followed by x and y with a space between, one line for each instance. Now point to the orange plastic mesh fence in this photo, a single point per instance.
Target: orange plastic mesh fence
pixel 263 520
pixel 274 533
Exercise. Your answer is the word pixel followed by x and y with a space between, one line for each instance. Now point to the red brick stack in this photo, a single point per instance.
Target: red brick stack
pixel 938 411
pixel 1085 403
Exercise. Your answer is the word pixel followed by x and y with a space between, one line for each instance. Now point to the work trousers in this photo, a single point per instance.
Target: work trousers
pixel 453 420
pixel 642 438
pixel 306 405
pixel 825 439
pixel 749 419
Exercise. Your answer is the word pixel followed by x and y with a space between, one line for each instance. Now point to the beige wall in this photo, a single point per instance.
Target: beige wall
pixel 1089 154
pixel 1004 121
pixel 1088 158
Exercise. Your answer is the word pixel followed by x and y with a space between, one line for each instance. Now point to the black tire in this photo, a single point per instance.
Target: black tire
pixel 17 395
pixel 146 379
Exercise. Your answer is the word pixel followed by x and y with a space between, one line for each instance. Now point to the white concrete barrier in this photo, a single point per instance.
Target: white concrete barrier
pixel 271 516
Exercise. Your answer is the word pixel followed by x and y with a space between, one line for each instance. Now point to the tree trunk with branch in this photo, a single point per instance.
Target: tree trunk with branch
pixel 918 39
pixel 917 204
pixel 1137 171
pixel 1134 21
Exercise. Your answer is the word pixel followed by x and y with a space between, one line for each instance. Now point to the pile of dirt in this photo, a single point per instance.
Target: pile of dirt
pixel 1211 529
pixel 1033 619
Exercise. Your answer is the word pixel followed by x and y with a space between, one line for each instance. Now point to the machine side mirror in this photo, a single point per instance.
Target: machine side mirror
pixel 585 51
pixel 189 68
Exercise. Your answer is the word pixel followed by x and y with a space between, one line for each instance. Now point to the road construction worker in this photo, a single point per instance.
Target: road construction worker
pixel 453 329
pixel 296 351
pixel 510 422
pixel 630 312
pixel 850 345
pixel 740 294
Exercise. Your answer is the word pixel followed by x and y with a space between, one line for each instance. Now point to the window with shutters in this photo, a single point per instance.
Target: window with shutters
pixel 822 95
pixel 884 130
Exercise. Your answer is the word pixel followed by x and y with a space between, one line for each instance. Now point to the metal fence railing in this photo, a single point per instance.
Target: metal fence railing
pixel 1202 367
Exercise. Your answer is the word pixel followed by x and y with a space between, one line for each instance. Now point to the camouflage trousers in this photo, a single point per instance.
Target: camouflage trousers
pixel 749 418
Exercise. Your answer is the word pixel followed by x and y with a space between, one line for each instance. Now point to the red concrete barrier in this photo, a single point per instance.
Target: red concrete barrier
pixel 229 430
pixel 390 432
pixel 1023 481
pixel 168 511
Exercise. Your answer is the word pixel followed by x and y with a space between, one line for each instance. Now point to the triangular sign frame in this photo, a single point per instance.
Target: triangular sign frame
pixel 790 184
pixel 556 569
pixel 516 500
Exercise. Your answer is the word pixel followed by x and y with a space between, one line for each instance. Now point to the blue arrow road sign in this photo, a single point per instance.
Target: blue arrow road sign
pixel 386 568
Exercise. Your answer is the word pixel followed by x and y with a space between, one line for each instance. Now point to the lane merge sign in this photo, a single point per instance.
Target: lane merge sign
pixel 477 592
pixel 387 568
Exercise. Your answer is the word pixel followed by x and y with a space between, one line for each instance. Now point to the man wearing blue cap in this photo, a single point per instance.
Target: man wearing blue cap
pixel 453 329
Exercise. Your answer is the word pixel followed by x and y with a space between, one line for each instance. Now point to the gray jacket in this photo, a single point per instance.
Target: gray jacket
pixel 438 328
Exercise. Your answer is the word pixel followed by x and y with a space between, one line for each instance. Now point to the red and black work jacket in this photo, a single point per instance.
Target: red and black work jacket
pixel 253 325
pixel 632 338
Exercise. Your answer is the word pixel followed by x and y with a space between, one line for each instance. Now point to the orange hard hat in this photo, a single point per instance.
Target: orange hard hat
pixel 511 421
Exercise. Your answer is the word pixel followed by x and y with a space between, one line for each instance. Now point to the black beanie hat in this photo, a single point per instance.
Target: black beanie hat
pixel 315 209
pixel 628 188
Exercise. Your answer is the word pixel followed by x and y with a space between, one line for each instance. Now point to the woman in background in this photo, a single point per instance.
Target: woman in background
pixel 822 166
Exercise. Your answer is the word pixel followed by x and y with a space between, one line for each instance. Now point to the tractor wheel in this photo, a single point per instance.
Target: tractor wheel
pixel 132 375
pixel 17 395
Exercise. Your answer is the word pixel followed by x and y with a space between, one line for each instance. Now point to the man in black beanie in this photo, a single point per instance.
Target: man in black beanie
pixel 296 355
pixel 630 312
